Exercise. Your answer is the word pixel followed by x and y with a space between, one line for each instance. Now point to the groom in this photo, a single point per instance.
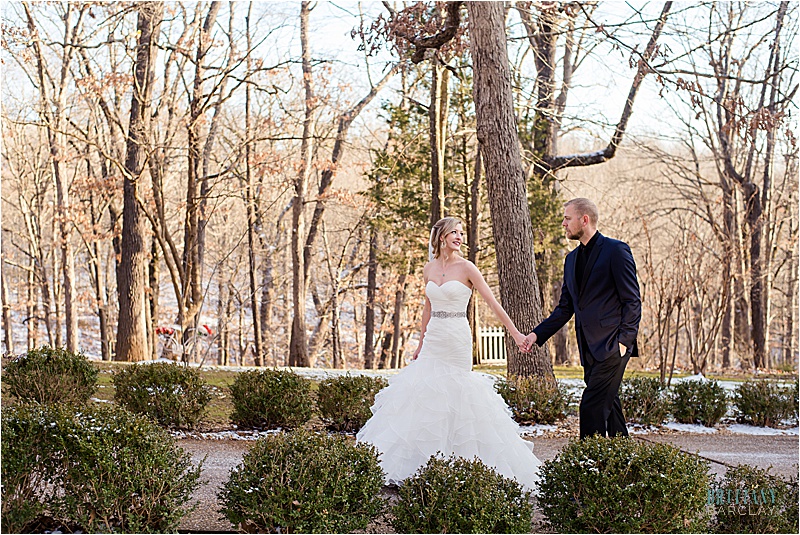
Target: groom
pixel 600 288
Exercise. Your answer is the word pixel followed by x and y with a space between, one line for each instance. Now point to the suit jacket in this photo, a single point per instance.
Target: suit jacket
pixel 607 305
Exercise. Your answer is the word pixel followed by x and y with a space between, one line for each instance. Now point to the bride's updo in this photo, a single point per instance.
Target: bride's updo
pixel 441 229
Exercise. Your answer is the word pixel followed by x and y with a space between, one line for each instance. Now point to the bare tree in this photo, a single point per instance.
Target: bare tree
pixel 53 96
pixel 131 277
pixel 505 180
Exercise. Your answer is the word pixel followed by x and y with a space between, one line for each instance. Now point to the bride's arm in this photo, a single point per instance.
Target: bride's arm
pixel 480 285
pixel 426 316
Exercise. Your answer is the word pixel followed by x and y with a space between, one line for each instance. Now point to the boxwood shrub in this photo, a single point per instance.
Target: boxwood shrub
pixel 27 467
pixel 764 403
pixel 172 395
pixel 534 400
pixel 51 375
pixel 302 482
pixel 698 402
pixel 270 399
pixel 97 469
pixel 457 495
pixel 751 500
pixel 622 485
pixel 644 400
pixel 344 402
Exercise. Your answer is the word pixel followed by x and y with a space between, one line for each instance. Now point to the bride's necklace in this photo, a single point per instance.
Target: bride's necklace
pixel 444 268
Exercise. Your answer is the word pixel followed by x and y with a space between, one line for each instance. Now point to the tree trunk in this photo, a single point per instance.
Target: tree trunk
pixel 250 200
pixel 473 212
pixel 789 333
pixel 399 302
pixel 31 311
pixel 192 291
pixel 153 294
pixel 505 180
pixel 437 114
pixel 267 298
pixel 223 319
pixel 100 289
pixel 766 189
pixel 53 110
pixel 369 315
pixel 131 275
pixel 8 338
pixel 298 346
pixel 728 262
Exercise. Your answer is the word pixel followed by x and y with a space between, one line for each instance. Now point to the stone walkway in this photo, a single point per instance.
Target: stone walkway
pixel 779 452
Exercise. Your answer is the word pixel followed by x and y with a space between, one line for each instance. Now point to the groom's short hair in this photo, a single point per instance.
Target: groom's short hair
pixel 585 207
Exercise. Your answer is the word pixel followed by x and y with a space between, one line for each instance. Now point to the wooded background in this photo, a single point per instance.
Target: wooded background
pixel 241 183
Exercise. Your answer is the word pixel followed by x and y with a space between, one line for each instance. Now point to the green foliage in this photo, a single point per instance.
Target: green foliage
pixel 100 470
pixel 457 495
pixel 535 400
pixel 48 375
pixel 644 401
pixel 344 402
pixel 400 177
pixel 702 402
pixel 172 395
pixel 271 399
pixel 620 485
pixel 764 403
pixel 27 467
pixel 300 482
pixel 751 500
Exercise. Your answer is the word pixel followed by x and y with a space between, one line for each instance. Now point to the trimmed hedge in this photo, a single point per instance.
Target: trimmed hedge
pixel 172 395
pixel 764 403
pixel 644 401
pixel 621 485
pixel 698 402
pixel 49 375
pixel 751 500
pixel 101 469
pixel 271 399
pixel 534 400
pixel 457 495
pixel 301 482
pixel 344 402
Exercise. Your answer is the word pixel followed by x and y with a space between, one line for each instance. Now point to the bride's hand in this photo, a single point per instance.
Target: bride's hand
pixel 519 338
pixel 416 353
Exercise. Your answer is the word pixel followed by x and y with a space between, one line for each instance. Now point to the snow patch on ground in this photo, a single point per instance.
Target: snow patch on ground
pixel 536 430
pixel 690 428
pixel 226 435
pixel 744 429
pixel 639 429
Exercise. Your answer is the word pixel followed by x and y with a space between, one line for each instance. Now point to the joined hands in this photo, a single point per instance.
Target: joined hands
pixel 526 344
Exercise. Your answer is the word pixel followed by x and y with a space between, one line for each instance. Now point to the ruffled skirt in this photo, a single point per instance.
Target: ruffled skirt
pixel 437 404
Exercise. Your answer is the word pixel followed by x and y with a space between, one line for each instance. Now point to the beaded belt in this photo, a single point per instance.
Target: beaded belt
pixel 444 314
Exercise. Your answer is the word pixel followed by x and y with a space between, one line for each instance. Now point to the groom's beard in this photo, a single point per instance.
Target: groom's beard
pixel 575 236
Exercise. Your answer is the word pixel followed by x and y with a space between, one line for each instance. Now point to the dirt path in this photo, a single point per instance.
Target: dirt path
pixel 780 452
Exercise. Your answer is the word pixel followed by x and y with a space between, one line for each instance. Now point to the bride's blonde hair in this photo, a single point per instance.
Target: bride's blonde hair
pixel 441 229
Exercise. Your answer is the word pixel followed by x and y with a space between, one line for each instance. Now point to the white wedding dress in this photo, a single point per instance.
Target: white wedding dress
pixel 437 404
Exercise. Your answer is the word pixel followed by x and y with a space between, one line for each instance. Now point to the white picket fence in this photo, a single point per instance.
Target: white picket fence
pixel 492 345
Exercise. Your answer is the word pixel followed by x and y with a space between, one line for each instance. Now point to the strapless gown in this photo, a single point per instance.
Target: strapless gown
pixel 437 404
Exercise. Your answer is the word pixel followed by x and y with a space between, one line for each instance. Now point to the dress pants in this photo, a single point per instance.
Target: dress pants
pixel 600 409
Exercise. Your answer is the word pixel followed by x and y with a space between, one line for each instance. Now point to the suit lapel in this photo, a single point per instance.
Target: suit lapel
pixel 569 273
pixel 598 245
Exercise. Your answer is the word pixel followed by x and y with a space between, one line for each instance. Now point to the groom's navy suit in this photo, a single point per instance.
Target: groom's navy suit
pixel 607 309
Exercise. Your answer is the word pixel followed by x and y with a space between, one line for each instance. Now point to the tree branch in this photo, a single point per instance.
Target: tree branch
pixel 560 162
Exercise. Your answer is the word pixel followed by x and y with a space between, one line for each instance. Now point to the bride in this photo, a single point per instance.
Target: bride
pixel 437 404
